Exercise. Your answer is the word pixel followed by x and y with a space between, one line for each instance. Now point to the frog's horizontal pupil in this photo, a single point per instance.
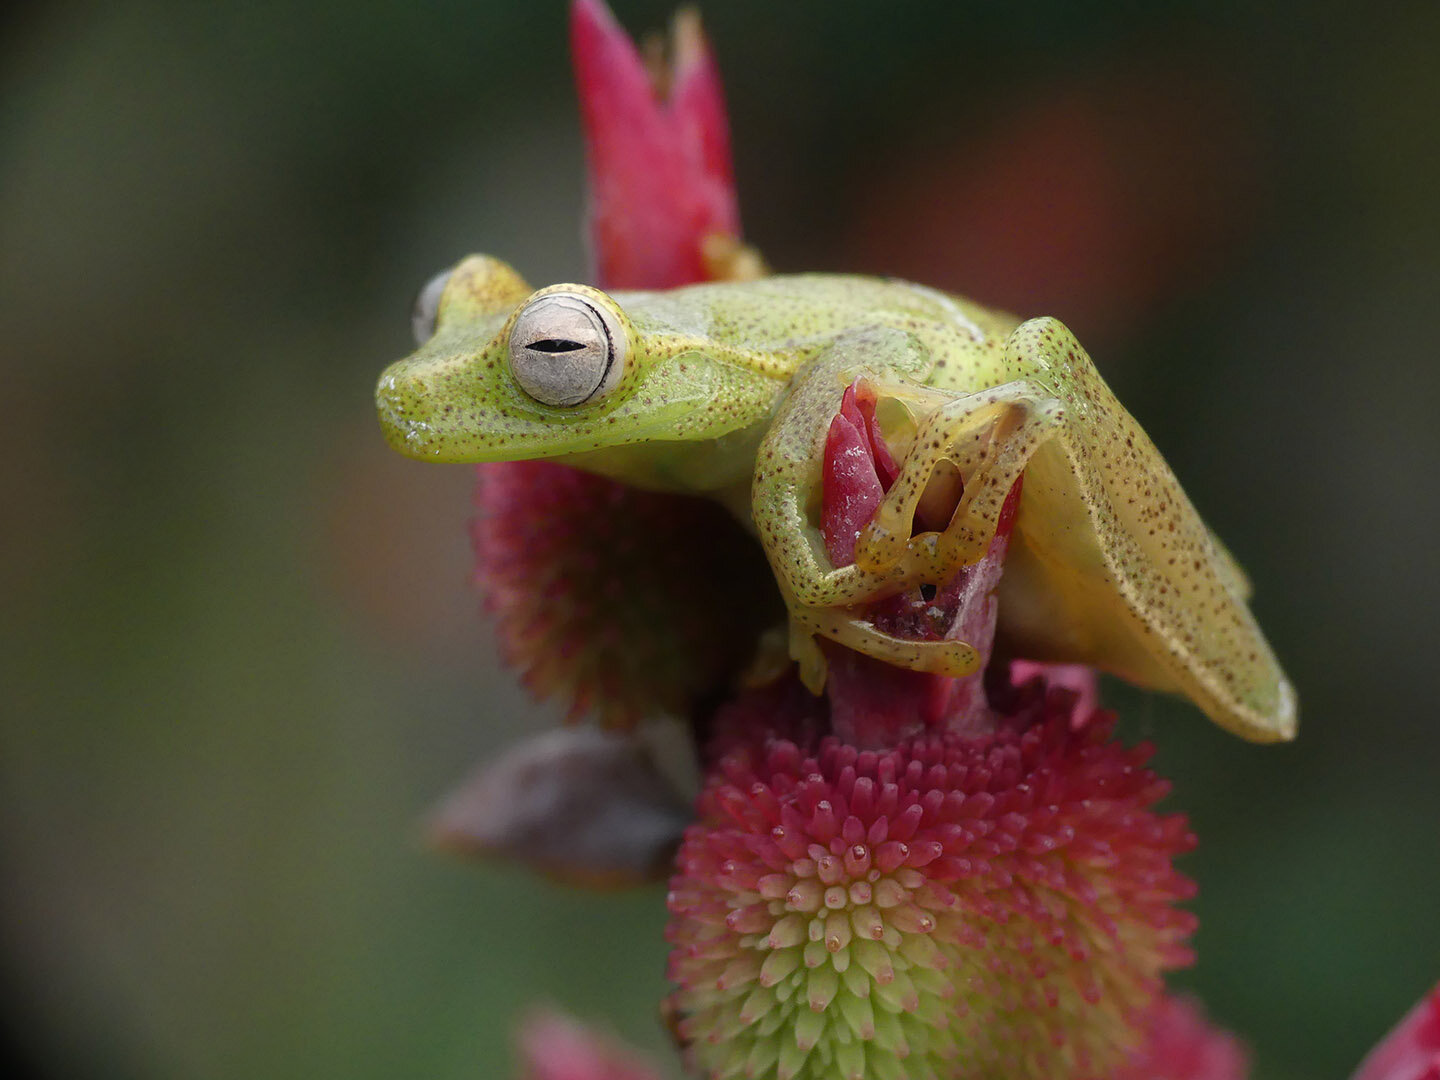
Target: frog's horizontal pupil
pixel 563 352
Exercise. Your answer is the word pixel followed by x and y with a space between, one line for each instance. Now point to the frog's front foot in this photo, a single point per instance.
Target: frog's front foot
pixel 967 454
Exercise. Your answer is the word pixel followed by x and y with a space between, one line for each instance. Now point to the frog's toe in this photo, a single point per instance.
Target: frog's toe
pixel 879 548
pixel 966 547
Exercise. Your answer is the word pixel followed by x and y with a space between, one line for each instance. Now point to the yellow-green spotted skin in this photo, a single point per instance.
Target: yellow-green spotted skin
pixel 728 390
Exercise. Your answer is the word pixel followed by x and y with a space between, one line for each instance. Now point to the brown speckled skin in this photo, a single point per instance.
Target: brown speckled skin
pixel 728 390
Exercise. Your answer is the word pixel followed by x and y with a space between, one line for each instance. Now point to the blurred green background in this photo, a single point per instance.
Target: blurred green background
pixel 240 655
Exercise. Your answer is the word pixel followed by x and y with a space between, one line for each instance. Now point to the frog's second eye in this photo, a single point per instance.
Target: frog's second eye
pixel 427 306
pixel 565 351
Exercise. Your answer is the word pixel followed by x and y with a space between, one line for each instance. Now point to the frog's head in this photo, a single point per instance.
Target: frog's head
pixel 504 373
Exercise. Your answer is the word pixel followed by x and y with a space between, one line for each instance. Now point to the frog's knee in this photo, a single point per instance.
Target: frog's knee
pixel 821 590
pixel 1041 329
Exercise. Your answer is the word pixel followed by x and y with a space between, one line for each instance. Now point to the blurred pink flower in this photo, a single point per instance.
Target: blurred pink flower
pixel 1180 1044
pixel 1097 198
pixel 1412 1050
pixel 555 1047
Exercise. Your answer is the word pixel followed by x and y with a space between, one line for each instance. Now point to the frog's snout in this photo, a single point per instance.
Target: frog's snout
pixel 402 400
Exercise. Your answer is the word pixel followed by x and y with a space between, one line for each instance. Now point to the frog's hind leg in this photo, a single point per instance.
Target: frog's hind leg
pixel 1113 567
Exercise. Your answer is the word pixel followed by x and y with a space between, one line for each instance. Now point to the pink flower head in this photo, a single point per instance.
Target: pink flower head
pixel 658 151
pixel 1412 1050
pixel 901 879
pixel 623 602
pixel 991 906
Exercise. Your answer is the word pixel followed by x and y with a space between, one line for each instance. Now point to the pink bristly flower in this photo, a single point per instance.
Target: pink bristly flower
pixel 953 907
pixel 1412 1050
pixel 589 607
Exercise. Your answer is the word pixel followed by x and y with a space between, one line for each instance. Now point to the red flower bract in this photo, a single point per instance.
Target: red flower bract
pixel 873 703
pixel 659 157
pixel 996 906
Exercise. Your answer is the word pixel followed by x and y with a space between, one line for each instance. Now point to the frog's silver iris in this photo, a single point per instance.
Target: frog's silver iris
pixel 565 351
pixel 427 306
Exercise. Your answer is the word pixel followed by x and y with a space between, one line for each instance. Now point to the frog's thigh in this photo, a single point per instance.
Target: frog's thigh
pixel 989 437
pixel 1125 560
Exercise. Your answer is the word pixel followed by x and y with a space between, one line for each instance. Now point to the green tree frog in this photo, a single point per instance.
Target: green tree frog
pixel 727 390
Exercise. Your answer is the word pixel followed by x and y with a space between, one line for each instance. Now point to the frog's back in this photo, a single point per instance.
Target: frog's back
pixel 791 317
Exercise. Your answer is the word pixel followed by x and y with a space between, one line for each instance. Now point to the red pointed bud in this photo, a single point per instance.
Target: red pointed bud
pixel 657 150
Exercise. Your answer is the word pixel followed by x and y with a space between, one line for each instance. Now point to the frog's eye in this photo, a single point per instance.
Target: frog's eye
pixel 427 306
pixel 564 350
